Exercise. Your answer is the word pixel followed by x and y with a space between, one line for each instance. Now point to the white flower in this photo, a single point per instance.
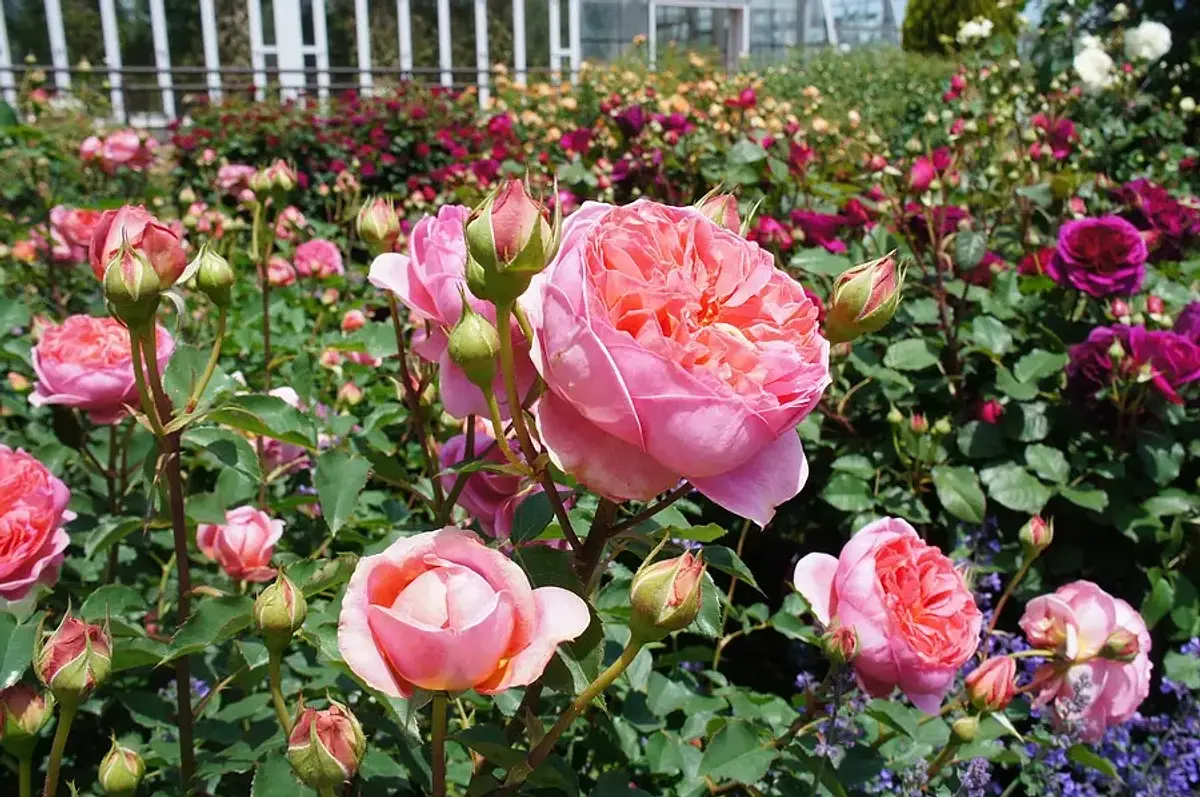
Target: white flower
pixel 1149 41
pixel 1095 68
pixel 1187 105
pixel 1088 42
pixel 974 30
pixel 1120 13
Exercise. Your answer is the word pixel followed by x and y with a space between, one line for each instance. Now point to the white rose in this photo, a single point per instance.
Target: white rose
pixel 1149 41
pixel 1094 67
pixel 1187 105
pixel 1088 42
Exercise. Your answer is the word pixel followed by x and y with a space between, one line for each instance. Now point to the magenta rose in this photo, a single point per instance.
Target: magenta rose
pixel 1099 256
pixel 430 281
pixel 33 509
pixel 674 349
pixel 442 612
pixel 86 363
pixel 1187 323
pixel 1171 360
pixel 1086 692
pixel 1171 226
pixel 821 229
pixel 319 258
pixel 912 612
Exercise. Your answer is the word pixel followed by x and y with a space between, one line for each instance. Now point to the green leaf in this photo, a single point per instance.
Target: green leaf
pixel 895 715
pixel 1171 502
pixel 969 249
pixel 229 449
pixel 616 783
pixel 746 153
pixel 1084 756
pixel 274 778
pixel 489 741
pixel 1014 487
pixel 991 335
pixel 979 440
pixel 958 490
pixel 339 479
pixel 737 754
pixel 1049 463
pixel 709 532
pixel 213 622
pixel 111 600
pixel 1182 668
pixel 848 493
pixel 183 374
pixel 912 354
pixel 1085 496
pixel 531 518
pixel 1159 602
pixel 1039 364
pixel 1161 456
pixel 16 647
pixel 725 560
pixel 109 532
pixel 1007 384
pixel 855 465
pixel 269 416
pixel 819 260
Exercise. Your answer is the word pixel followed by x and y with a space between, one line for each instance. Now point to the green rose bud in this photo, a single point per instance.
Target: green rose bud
pixel 121 771
pixel 131 287
pixel 378 225
pixel 474 346
pixel 864 299
pixel 74 659
pixel 279 612
pixel 1036 536
pixel 509 240
pixel 665 596
pixel 214 276
pixel 326 747
pixel 23 714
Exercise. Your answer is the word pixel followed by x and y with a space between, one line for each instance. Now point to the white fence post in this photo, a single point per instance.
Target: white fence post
pixel 212 55
pixel 321 35
pixel 58 45
pixel 831 37
pixel 404 31
pixel 481 53
pixel 289 48
pixel 652 36
pixel 519 40
pixel 162 57
pixel 362 34
pixel 112 58
pixel 8 81
pixel 444 52
pixel 258 58
pixel 555 41
pixel 574 41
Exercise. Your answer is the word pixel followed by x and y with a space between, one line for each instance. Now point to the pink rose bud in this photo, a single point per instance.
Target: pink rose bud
pixel 131 288
pixel 18 382
pixel 280 272
pixel 281 176
pixel 121 771
pixel 965 729
pixel 378 224
pixel 1154 305
pixel 326 747
pixel 509 239
pixel 214 276
pixel 91 149
pixel 919 423
pixel 140 231
pixel 990 412
pixel 279 612
pixel 330 358
pixel 991 685
pixel 721 209
pixel 840 644
pixel 877 163
pixel 864 299
pixel 353 320
pixel 243 544
pixel 1036 535
pixel 665 596
pixel 1119 308
pixel 474 346
pixel 350 393
pixel 1121 645
pixel 23 714
pixel 74 659
pixel 921 175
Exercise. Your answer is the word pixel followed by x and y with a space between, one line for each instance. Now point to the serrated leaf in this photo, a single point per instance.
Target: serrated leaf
pixel 339 478
pixel 737 754
pixel 959 491
pixel 274 778
pixel 1087 757
pixel 1085 496
pixel 1049 463
pixel 16 646
pixel 725 560
pixel 909 355
pixel 109 532
pixel 991 335
pixel 1039 364
pixel 969 249
pixel 1015 488
pixel 709 532
pixel 214 621
pixel 268 416
pixel 531 517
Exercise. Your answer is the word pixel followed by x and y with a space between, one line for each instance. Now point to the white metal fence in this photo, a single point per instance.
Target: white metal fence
pixel 297 61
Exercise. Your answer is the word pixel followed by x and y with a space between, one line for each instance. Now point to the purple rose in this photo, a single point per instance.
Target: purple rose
pixel 1188 323
pixel 1171 360
pixel 1171 226
pixel 1099 256
pixel 631 120
pixel 821 229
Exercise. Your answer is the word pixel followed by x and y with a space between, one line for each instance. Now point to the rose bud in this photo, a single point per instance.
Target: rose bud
pixel 378 225
pixel 991 685
pixel 919 423
pixel 214 276
pixel 665 597
pixel 1119 309
pixel 74 659
pixel 23 714
pixel 353 320
pixel 864 298
pixel 121 771
pixel 1036 535
pixel 1154 305
pixel 840 644
pixel 350 393
pixel 279 612
pixel 509 240
pixel 131 288
pixel 134 228
pixel 990 412
pixel 325 747
pixel 921 175
pixel 282 177
pixel 722 209
pixel 965 729
pixel 260 183
pixel 1121 645
pixel 474 345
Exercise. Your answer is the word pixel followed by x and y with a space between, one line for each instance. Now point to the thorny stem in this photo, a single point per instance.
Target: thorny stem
pixel 139 378
pixel 653 509
pixel 1008 591
pixel 66 715
pixel 413 398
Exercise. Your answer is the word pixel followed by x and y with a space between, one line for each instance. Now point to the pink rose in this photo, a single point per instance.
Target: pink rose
pixel 674 349
pixel 121 147
pixel 280 272
pixel 33 509
pixel 233 177
pixel 1087 693
pixel 91 149
pixel 916 620
pixel 921 175
pixel 86 363
pixel 319 258
pixel 353 320
pixel 135 226
pixel 289 222
pixel 430 281
pixel 278 454
pixel 440 611
pixel 243 544
pixel 75 227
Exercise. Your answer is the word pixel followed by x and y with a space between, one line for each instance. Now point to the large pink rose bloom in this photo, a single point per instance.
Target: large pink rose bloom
pixel 440 611
pixel 243 544
pixel 430 281
pixel 86 363
pixel 1087 694
pixel 915 618
pixel 673 348
pixel 33 509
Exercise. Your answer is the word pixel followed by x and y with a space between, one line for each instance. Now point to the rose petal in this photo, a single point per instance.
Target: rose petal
pixel 775 474
pixel 814 580
pixel 561 616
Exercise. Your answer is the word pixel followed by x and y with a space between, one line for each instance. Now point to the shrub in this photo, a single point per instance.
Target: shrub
pixel 930 26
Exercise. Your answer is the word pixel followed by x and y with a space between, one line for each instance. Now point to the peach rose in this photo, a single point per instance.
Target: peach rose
pixel 429 280
pixel 75 227
pixel 144 233
pixel 915 618
pixel 353 320
pixel 86 363
pixel 674 349
pixel 289 222
pixel 243 544
pixel 440 611
pixel 1087 693
pixel 233 177
pixel 318 258
pixel 33 509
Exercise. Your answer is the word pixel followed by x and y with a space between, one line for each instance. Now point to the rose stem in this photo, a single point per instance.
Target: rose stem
pixel 276 680
pixel 720 646
pixel 66 715
pixel 414 402
pixel 439 744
